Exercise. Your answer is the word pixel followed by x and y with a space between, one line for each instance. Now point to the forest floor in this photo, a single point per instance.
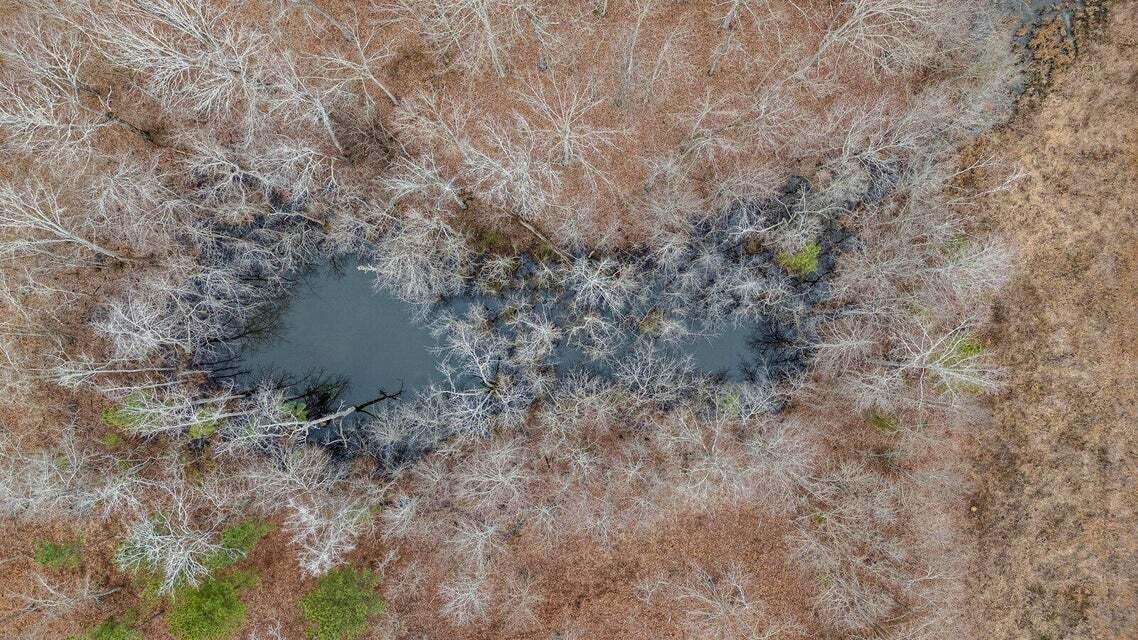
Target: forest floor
pixel 1057 471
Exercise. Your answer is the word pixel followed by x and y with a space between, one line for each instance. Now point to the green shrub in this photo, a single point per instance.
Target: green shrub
pixel 239 540
pixel 109 629
pixel 126 416
pixel 244 535
pixel 210 611
pixel 883 423
pixel 67 555
pixel 337 608
pixel 800 262
pixel 964 350
pixel 957 357
pixel 296 409
pixel 148 585
pixel 651 322
pixel 204 426
pixel 728 401
pixel 112 440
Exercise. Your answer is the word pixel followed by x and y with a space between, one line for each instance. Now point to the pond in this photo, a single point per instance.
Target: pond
pixel 337 324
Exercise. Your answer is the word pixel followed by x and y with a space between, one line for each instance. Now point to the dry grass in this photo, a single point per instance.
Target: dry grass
pixel 1055 505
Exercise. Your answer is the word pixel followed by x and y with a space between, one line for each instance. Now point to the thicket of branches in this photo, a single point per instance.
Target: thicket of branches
pixel 174 164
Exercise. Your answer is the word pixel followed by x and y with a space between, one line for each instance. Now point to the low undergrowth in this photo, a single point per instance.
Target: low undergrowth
pixel 212 610
pixel 59 555
pixel 110 629
pixel 339 606
pixel 674 170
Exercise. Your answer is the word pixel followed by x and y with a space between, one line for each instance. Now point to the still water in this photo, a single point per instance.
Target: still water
pixel 336 323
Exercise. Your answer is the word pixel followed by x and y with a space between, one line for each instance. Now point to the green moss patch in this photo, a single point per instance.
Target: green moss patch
pixel 728 401
pixel 126 416
pixel 296 409
pixel 801 262
pixel 211 611
pixel 109 629
pixel 205 424
pixel 964 350
pixel 338 607
pixel 882 422
pixel 239 540
pixel 67 555
pixel 112 441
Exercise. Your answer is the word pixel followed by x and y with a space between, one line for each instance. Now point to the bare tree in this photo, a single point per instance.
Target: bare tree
pixel 473 34
pixel 325 532
pixel 891 34
pixel 738 11
pixel 719 606
pixel 494 480
pixel 782 456
pixel 429 122
pixel 134 200
pixel 563 114
pixel 41 119
pixel 638 72
pixel 520 601
pixel 465 597
pixel 849 539
pixel 422 259
pixel 49 600
pixel 420 179
pixel 511 172
pixel 361 65
pixel 37 222
pixel 185 52
pixel 601 284
pixel 173 543
pixel 64 480
pixel 947 363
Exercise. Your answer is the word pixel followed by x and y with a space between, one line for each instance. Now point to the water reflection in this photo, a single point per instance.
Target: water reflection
pixel 337 324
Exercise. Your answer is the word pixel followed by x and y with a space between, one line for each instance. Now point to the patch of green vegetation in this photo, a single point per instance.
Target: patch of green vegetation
pixel 957 356
pixel 211 611
pixel 245 535
pixel 542 252
pixel 651 322
pixel 112 440
pixel 296 409
pixel 956 246
pixel 204 426
pixel 337 608
pixel 126 416
pixel 801 262
pixel 67 555
pixel 239 540
pixel 964 350
pixel 728 401
pixel 883 422
pixel 109 629
pixel 149 585
pixel 488 240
